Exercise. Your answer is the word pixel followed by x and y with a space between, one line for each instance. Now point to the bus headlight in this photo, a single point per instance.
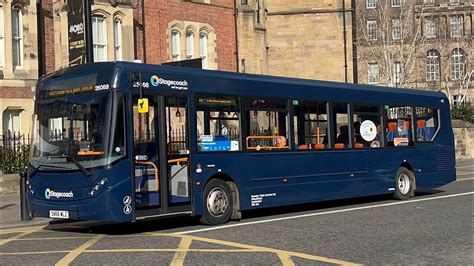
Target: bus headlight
pixel 97 186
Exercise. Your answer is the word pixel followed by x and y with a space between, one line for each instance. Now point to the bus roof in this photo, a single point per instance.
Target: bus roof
pixel 117 74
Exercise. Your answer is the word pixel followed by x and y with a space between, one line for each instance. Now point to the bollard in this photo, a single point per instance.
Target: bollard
pixel 25 214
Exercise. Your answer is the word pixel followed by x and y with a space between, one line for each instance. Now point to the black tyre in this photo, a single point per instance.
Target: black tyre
pixel 217 202
pixel 404 183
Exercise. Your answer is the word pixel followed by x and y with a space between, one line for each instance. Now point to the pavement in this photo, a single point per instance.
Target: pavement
pixel 434 227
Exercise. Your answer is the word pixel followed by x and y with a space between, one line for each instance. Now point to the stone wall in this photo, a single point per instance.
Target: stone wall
pixel 464 139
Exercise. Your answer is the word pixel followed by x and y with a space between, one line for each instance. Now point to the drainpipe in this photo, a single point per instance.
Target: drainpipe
pixel 40 32
pixel 144 31
pixel 345 38
pixel 236 13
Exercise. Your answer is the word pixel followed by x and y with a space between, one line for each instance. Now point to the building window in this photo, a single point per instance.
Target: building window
pixel 203 48
pixel 118 39
pixel 257 10
pixel 371 3
pixel 372 30
pixel 175 45
pixel 430 28
pixel 457 64
pixel 432 66
pixel 455 2
pixel 396 3
pixel 373 74
pixel 397 73
pixel 430 2
pixel 11 121
pixel 244 2
pixel 2 39
pixel 396 29
pixel 455 23
pixel 99 38
pixel 189 44
pixel 17 37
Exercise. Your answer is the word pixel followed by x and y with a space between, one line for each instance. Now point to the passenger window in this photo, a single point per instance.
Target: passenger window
pixel 310 125
pixel 366 126
pixel 218 123
pixel 399 127
pixel 426 123
pixel 340 124
pixel 267 124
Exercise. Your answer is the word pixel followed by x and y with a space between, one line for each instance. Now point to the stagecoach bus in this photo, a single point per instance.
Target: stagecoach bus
pixel 122 142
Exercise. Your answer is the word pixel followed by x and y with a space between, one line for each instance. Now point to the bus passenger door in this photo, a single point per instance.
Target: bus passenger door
pixel 145 137
pixel 177 172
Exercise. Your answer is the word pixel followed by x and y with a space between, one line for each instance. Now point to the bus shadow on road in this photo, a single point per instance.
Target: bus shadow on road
pixel 165 224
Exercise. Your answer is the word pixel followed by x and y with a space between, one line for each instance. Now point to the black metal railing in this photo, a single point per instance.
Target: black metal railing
pixel 14 152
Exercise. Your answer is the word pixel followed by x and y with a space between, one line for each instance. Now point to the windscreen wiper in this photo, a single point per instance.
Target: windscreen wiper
pixel 75 161
pixel 35 169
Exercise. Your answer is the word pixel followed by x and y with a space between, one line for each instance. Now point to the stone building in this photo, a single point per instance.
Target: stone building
pixel 18 64
pixel 301 38
pixel 423 44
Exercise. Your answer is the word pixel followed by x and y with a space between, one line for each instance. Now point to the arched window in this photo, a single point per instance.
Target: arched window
pixel 175 44
pixel 432 65
pixel 2 39
pixel 99 38
pixel 457 64
pixel 189 44
pixel 17 37
pixel 203 48
pixel 118 39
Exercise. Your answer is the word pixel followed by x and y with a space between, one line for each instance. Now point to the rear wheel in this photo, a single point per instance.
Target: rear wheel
pixel 404 183
pixel 217 202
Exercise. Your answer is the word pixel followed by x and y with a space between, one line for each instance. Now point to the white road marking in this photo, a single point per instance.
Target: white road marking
pixel 322 213
pixel 465 166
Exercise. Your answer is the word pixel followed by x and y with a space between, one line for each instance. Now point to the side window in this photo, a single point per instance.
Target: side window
pixel 427 122
pixel 218 123
pixel 310 125
pixel 366 126
pixel 399 127
pixel 267 120
pixel 340 124
pixel 144 130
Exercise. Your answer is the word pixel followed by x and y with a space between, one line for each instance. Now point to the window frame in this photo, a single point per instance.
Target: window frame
pixel 456 26
pixel 203 48
pixel 458 64
pixel 189 44
pixel 2 37
pixel 370 4
pixel 396 29
pixel 396 3
pixel 118 53
pixel 372 30
pixel 432 67
pixel 369 75
pixel 96 44
pixel 430 28
pixel 17 39
pixel 175 44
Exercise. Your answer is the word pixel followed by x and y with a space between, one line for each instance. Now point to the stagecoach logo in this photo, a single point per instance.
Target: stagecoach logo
pixel 173 84
pixel 48 193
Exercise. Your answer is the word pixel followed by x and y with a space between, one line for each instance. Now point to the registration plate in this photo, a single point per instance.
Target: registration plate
pixel 59 214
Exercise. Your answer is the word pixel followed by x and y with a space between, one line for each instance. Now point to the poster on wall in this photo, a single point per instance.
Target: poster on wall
pixel 76 32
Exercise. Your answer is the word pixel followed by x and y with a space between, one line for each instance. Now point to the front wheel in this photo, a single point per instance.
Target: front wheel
pixel 217 202
pixel 404 183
